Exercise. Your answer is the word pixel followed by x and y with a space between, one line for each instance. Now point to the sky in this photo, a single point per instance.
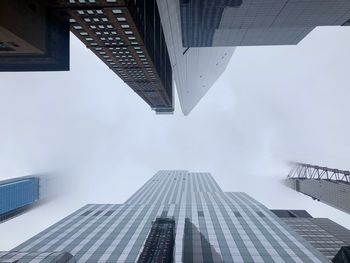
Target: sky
pixel 93 140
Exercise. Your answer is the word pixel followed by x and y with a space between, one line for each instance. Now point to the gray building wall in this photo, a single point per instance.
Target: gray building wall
pixel 211 226
pixel 333 193
pixel 257 22
pixel 195 70
pixel 322 233
pixel 36 257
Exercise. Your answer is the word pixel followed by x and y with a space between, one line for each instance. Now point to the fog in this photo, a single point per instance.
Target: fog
pixel 97 142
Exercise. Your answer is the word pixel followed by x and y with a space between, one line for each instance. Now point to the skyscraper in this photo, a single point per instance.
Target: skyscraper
pixel 33 37
pixel 330 186
pixel 128 37
pixel 17 195
pixel 195 70
pixel 209 225
pixel 257 22
pixel 325 235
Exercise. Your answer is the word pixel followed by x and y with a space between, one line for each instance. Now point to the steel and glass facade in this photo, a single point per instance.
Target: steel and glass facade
pixel 195 70
pixel 325 235
pixel 17 195
pixel 211 226
pixel 257 22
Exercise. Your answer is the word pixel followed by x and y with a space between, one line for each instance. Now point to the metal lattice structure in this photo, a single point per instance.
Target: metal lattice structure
pixel 308 171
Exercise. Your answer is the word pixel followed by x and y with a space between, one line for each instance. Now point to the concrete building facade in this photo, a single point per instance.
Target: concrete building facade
pixel 257 22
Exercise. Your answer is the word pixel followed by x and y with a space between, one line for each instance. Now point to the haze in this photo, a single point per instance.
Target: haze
pixel 95 141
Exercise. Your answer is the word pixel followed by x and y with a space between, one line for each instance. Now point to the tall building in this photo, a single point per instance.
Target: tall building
pixel 195 70
pixel 330 186
pixel 17 195
pixel 179 215
pixel 128 37
pixel 325 235
pixel 257 22
pixel 33 37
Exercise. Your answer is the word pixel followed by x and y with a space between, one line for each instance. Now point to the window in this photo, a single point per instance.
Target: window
pixel 237 214
pixel 260 214
pixel 117 11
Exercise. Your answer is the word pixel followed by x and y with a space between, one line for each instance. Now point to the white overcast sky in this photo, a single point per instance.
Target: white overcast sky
pixel 97 142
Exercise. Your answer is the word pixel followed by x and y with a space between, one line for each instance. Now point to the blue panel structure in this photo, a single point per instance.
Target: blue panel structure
pixel 17 195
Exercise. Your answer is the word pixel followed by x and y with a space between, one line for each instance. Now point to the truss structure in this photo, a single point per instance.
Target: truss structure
pixel 308 171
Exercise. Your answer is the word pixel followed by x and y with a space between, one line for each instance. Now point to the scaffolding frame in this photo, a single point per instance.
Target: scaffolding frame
pixel 308 171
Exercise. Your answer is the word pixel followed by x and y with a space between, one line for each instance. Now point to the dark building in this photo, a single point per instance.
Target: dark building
pixel 128 37
pixel 257 22
pixel 343 255
pixel 325 235
pixel 330 186
pixel 159 245
pixel 33 37
pixel 17 196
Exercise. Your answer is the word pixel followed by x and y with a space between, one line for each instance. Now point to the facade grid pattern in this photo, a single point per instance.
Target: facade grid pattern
pixel 128 37
pixel 257 22
pixel 217 226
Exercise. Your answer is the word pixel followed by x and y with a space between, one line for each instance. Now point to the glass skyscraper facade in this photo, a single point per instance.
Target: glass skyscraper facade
pixel 17 195
pixel 195 70
pixel 325 235
pixel 209 226
pixel 257 22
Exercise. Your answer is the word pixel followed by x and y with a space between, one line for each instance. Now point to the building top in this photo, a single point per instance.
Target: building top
pixel 209 224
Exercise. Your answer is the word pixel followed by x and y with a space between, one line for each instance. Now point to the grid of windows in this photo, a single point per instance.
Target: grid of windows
pixel 331 192
pixel 257 22
pixel 210 225
pixel 112 31
pixel 325 235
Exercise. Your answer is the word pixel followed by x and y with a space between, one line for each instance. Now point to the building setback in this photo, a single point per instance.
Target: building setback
pixel 210 226
pixel 257 22
pixel 17 195
pixel 330 186
pixel 325 235
pixel 128 37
